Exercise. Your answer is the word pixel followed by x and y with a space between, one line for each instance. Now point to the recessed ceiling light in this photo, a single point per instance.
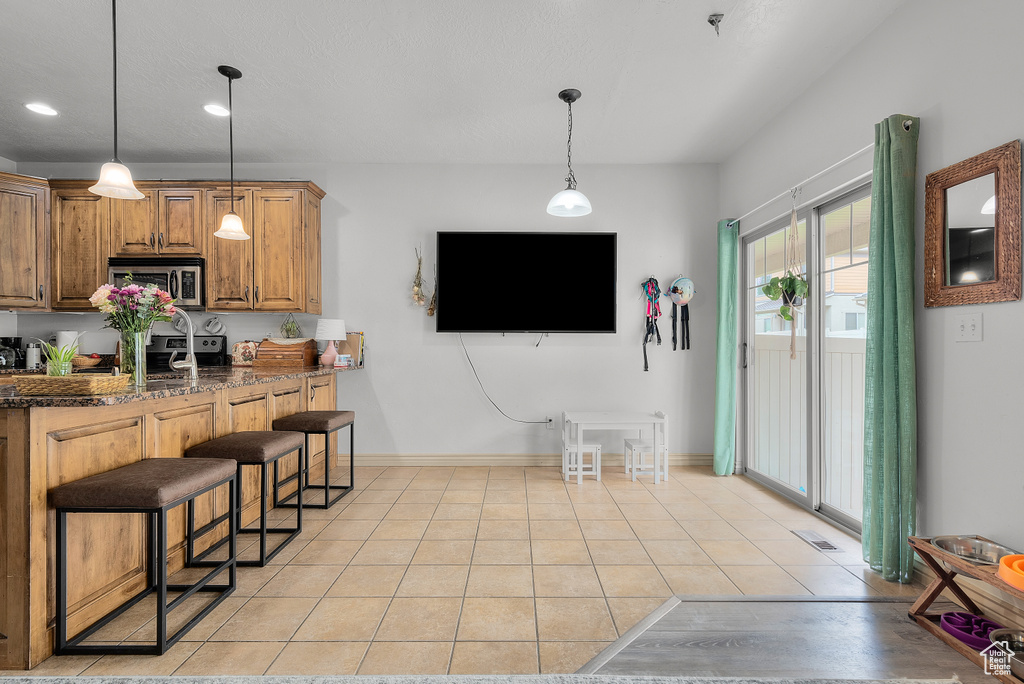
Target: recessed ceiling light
pixel 40 108
pixel 216 110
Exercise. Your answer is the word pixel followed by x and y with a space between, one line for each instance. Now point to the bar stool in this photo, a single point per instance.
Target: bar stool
pixel 260 449
pixel 151 486
pixel 323 423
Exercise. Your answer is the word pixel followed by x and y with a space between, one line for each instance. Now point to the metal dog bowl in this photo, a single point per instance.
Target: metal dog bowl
pixel 973 549
pixel 1014 638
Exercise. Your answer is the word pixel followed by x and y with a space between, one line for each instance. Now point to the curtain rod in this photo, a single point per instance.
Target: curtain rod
pixel 802 183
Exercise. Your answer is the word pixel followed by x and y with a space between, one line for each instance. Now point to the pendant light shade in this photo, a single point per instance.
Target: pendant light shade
pixel 231 227
pixel 569 202
pixel 115 178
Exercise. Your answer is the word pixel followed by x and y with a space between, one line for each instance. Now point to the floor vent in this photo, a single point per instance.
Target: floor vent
pixel 816 540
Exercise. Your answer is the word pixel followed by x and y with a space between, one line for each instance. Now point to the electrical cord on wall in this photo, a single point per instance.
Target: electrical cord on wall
pixel 482 389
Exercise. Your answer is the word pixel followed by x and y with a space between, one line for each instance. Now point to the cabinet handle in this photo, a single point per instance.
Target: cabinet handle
pixel 151 240
pixel 40 293
pixel 161 239
pixel 246 293
pixel 257 293
pixel 312 392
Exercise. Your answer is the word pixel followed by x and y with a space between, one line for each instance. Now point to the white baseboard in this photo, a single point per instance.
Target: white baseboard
pixel 507 460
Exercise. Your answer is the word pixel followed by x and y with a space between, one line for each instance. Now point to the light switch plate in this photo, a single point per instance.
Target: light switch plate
pixel 968 328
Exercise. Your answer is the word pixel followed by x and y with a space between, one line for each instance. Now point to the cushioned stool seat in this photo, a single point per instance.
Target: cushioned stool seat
pixel 322 423
pixel 153 487
pixel 253 448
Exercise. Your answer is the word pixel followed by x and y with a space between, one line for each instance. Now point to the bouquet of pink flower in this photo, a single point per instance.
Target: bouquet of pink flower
pixel 133 308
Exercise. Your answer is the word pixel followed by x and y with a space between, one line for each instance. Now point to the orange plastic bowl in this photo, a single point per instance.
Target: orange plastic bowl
pixel 1011 570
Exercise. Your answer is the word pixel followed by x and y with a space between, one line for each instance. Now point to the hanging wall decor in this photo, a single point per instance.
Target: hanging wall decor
pixel 417 282
pixel 651 293
pixel 681 291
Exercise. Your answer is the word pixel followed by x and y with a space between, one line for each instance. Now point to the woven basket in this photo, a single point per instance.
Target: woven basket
pixel 68 385
pixel 85 361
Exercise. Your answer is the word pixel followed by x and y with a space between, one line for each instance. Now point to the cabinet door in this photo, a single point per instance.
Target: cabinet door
pixel 180 221
pixel 24 255
pixel 133 225
pixel 279 274
pixel 312 264
pixel 80 229
pixel 229 284
pixel 320 396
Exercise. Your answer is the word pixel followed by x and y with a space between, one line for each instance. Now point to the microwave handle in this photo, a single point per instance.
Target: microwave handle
pixel 173 284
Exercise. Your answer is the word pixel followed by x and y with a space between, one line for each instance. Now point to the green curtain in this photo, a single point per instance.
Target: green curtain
pixel 890 383
pixel 725 380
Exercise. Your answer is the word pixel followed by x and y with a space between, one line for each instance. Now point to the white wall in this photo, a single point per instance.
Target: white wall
pixel 954 64
pixel 417 394
pixel 8 166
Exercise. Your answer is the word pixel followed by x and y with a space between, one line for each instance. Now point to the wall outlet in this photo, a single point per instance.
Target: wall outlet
pixel 551 422
pixel 968 328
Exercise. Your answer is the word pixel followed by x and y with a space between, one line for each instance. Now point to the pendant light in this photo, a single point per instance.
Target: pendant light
pixel 231 227
pixel 115 178
pixel 569 202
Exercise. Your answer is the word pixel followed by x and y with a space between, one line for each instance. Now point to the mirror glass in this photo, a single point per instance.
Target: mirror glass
pixel 970 232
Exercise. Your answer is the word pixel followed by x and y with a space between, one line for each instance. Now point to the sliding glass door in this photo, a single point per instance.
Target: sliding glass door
pixel 804 395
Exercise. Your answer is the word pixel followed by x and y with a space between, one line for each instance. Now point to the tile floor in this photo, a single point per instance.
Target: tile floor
pixel 492 570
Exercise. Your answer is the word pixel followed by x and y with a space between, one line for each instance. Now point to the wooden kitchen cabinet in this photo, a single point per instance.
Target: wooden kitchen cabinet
pixel 133 225
pixel 279 260
pixel 167 221
pixel 228 262
pixel 24 257
pixel 180 221
pixel 79 245
pixel 313 256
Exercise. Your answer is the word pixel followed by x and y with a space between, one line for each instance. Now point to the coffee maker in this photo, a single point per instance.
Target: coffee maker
pixel 18 355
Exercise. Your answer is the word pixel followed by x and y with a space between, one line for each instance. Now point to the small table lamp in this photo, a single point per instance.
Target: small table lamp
pixel 330 329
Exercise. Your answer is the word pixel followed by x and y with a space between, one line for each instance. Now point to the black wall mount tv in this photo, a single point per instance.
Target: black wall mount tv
pixel 525 282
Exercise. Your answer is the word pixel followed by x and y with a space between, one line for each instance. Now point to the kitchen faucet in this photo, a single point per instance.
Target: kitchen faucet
pixel 190 357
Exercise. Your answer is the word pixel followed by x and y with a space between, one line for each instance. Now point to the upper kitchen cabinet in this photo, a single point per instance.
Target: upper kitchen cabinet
pixel 79 244
pixel 133 225
pixel 313 279
pixel 166 221
pixel 279 266
pixel 228 262
pixel 24 258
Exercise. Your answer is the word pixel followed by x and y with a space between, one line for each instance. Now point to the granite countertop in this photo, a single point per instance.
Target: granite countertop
pixel 163 385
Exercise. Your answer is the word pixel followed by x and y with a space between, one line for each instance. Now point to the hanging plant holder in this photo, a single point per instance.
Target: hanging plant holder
pixel 791 288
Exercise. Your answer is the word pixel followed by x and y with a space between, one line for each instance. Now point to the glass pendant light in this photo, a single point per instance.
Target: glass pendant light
pixel 115 178
pixel 231 227
pixel 569 202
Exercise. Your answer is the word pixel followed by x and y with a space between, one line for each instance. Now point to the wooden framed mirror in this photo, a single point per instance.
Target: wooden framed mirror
pixel 972 230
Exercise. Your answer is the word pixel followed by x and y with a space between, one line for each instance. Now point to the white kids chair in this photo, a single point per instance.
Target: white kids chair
pixel 572 462
pixel 634 452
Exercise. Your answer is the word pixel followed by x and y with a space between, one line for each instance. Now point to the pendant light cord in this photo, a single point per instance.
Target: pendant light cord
pixel 571 177
pixel 113 20
pixel 231 142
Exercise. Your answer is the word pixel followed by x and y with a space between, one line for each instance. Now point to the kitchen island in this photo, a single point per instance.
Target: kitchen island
pixel 49 441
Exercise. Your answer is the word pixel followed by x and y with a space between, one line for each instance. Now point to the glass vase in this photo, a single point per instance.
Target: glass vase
pixel 133 357
pixel 58 368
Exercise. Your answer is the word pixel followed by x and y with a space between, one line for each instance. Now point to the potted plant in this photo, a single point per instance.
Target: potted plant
pixel 58 359
pixel 791 289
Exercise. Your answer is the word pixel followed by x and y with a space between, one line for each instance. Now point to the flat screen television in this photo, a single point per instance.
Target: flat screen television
pixel 525 282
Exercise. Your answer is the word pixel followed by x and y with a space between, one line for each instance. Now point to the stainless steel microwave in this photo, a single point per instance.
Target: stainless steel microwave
pixel 182 277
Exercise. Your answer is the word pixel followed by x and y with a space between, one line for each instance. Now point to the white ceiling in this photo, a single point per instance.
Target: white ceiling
pixel 421 81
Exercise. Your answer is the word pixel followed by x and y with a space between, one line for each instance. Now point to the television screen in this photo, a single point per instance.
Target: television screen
pixel 526 282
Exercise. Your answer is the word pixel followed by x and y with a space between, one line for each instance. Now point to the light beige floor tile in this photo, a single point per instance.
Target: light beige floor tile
pixel 471 473
pixel 880 585
pixel 377 496
pixel 444 552
pixel 829 580
pixel 566 657
pixel 606 529
pixel 555 529
pixel 55 666
pixel 762 530
pixel 644 511
pixel 451 529
pixel 697 580
pixel 466 485
pixel 420 619
pixel 560 552
pixel 385 482
pixel 793 552
pixel 618 552
pixel 658 529
pixel 734 552
pixel 142 612
pixel 463 496
pixel 347 530
pixel 597 511
pixel 719 495
pixel 589 492
pixel 632 580
pixel 399 529
pixel 143 666
pixel 368 580
pixel 421 496
pixel 497 619
pixel 191 607
pixel 457 511
pixel 368 511
pixel 503 529
pixel 672 552
pixel 410 511
pixel 500 581
pixel 504 496
pixel 504 512
pixel 554 495
pixel 284 556
pixel 507 473
pixel 785 512
pixel 627 612
pixel 634 494
pixel 326 553
pixel 231 658
pixel 343 619
pixel 496 552
pixel 407 658
pixel 434 580
pixel 319 658
pixel 427 483
pixel 387 552
pixel 552 511
pixel 574 619
pixel 469 657
pixel 266 619
pixel 302 581
pixel 714 530
pixel 691 511
pixel 566 581
pixel 738 511
pixel 763 580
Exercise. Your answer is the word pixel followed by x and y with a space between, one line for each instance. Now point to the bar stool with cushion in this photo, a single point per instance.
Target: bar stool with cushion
pixel 151 486
pixel 260 449
pixel 323 423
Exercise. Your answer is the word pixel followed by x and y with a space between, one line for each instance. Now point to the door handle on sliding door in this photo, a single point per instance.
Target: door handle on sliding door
pixel 744 360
